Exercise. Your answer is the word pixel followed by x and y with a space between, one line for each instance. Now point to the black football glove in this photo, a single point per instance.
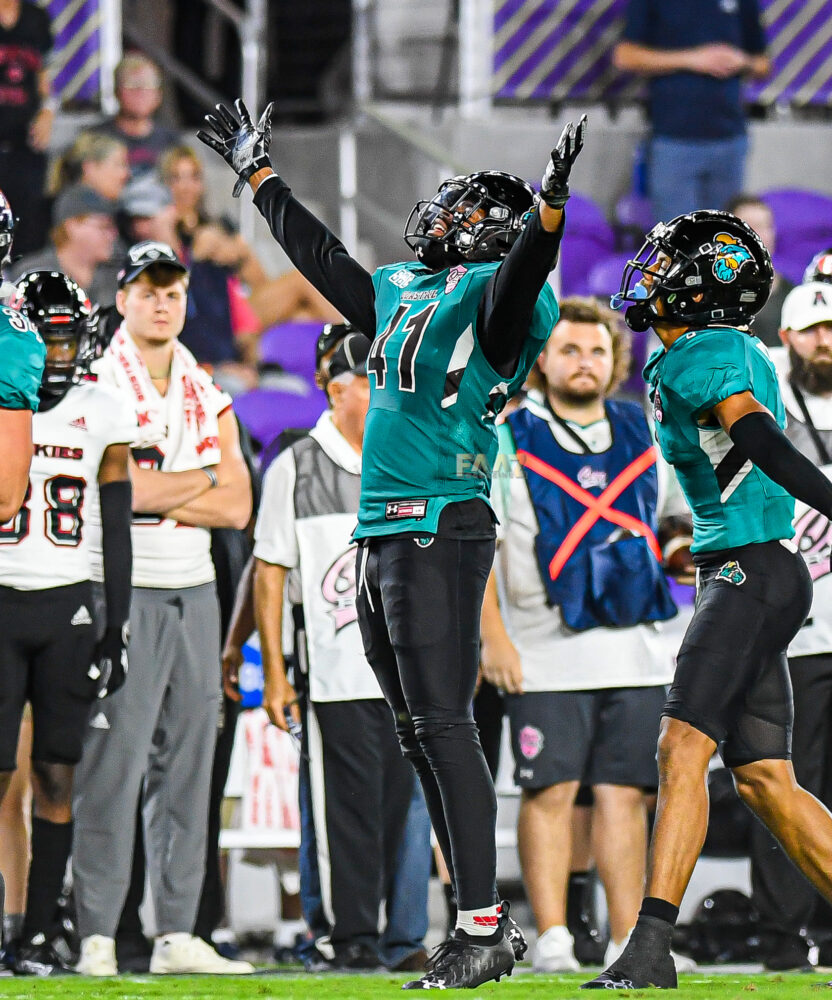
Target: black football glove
pixel 109 666
pixel 554 188
pixel 243 145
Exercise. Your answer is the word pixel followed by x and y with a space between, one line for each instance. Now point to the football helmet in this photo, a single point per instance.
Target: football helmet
pixel 476 217
pixel 7 222
pixel 63 315
pixel 706 268
pixel 820 268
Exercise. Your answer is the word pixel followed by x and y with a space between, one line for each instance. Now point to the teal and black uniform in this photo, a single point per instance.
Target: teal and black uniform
pixel 430 438
pixel 22 357
pixel 753 592
pixel 450 346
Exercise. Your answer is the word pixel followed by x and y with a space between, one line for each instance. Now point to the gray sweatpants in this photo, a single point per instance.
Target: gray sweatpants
pixel 158 733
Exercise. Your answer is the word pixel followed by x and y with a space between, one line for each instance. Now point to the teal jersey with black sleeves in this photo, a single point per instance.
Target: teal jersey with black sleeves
pixel 430 436
pixel 733 503
pixel 22 356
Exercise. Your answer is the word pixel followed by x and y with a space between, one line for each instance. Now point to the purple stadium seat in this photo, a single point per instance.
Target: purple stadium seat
pixel 267 412
pixel 587 238
pixel 804 226
pixel 292 346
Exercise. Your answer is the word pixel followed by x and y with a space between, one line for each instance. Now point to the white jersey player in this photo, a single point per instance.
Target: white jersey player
pixel 50 651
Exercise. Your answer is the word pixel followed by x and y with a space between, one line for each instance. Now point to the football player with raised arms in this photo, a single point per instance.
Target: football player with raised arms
pixel 21 368
pixel 456 332
pixel 698 281
pixel 49 655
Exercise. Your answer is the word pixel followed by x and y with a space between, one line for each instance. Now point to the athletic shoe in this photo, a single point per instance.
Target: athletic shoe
pixel 787 951
pixel 614 951
pixel 555 951
pixel 98 956
pixel 515 937
pixel 184 953
pixel 416 961
pixel 38 958
pixel 464 962
pixel 357 956
pixel 645 960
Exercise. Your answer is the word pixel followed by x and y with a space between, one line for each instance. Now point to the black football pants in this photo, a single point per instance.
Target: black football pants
pixel 419 611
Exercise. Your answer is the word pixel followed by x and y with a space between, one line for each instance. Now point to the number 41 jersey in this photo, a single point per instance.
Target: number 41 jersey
pixel 45 544
pixel 430 438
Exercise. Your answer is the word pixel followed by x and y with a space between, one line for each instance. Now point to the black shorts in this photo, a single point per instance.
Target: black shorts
pixel 602 737
pixel 47 639
pixel 732 676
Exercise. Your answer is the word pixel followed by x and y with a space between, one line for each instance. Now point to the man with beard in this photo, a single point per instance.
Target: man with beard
pixel 569 622
pixel 786 900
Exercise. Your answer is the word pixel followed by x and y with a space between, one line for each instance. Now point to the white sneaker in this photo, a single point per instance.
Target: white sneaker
pixel 554 952
pixel 98 956
pixel 682 962
pixel 184 953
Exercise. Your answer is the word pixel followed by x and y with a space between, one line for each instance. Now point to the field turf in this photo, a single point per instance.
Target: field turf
pixel 294 986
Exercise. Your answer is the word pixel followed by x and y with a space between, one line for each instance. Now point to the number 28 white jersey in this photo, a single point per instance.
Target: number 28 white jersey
pixel 46 544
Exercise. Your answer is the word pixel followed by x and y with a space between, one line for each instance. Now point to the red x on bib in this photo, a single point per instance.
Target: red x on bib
pixel 596 507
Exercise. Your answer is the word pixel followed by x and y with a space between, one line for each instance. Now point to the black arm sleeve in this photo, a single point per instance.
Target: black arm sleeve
pixel 117 549
pixel 319 255
pixel 758 437
pixel 507 305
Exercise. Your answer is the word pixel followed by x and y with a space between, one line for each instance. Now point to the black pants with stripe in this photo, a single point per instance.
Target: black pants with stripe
pixel 361 790
pixel 419 604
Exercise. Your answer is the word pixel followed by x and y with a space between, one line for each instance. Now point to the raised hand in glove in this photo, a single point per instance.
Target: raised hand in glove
pixel 243 145
pixel 554 188
pixel 109 666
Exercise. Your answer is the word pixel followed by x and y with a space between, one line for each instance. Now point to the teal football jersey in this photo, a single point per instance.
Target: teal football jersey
pixel 733 503
pixel 22 356
pixel 430 436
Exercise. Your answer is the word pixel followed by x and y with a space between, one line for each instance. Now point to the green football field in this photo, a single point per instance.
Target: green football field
pixel 293 986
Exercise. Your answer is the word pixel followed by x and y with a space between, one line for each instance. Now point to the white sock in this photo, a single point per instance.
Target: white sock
pixel 479 923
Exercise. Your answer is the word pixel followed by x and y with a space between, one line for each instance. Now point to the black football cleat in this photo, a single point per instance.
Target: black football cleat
pixel 461 963
pixel 38 958
pixel 645 962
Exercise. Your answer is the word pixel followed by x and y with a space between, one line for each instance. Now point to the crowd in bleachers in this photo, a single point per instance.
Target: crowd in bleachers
pixel 290 365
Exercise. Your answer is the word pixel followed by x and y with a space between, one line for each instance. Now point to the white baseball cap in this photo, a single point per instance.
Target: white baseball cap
pixel 806 305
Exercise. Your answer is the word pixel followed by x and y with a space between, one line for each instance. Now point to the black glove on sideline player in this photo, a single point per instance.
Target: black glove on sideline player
pixel 243 145
pixel 109 665
pixel 554 188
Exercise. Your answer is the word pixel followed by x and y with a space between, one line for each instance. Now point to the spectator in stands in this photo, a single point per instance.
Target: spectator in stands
pixel 156 737
pixel 97 161
pixel 785 899
pixel 582 663
pixel 221 330
pixel 759 216
pixel 27 110
pixel 138 84
pixel 274 300
pixel 694 56
pixel 82 238
pixel 302 548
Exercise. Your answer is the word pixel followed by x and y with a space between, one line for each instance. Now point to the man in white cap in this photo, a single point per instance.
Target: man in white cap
pixel 787 901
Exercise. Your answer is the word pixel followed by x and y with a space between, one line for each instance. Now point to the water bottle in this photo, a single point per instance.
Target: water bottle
pixel 250 680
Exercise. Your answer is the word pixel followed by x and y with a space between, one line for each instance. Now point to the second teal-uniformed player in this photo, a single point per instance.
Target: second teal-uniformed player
pixel 455 333
pixel 698 281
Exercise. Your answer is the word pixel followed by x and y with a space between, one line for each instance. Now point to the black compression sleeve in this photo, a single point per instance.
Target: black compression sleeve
pixel 509 299
pixel 318 254
pixel 117 549
pixel 760 439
